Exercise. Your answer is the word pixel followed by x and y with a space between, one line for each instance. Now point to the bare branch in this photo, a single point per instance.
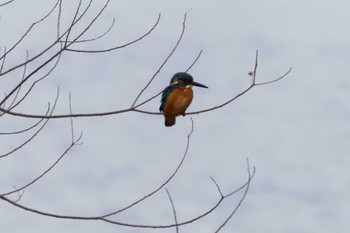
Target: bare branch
pixel 165 61
pixel 275 80
pixel 241 200
pixel 36 82
pixel 71 119
pixel 164 183
pixel 92 22
pixel 35 134
pixel 217 186
pixel 102 218
pixel 253 84
pixel 18 90
pixel 5 3
pixel 26 33
pixel 116 47
pixel 255 68
pixel 93 39
pixel 23 130
pixel 3 58
pixel 174 211
pixel 74 143
pixel 134 106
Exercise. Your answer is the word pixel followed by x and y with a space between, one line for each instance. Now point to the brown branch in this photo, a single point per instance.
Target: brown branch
pixel 164 183
pixel 92 22
pixel 95 38
pixel 75 20
pixel 58 26
pixel 134 108
pixel 241 200
pixel 174 211
pixel 30 89
pixel 19 89
pixel 252 85
pixel 74 143
pixel 103 218
pixel 57 54
pixel 5 3
pixel 275 80
pixel 26 33
pixel 3 58
pixel 116 47
pixel 23 130
pixel 219 202
pixel 165 61
pixel 35 134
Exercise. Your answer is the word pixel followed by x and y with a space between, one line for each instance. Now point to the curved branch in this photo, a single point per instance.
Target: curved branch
pixel 74 143
pixel 92 22
pixel 23 130
pixel 165 61
pixel 240 201
pixel 95 38
pixel 36 82
pixel 102 218
pixel 174 211
pixel 5 3
pixel 35 134
pixel 164 183
pixel 28 30
pixel 116 47
pixel 134 107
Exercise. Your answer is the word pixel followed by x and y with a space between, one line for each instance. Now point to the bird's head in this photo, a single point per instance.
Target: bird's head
pixel 185 79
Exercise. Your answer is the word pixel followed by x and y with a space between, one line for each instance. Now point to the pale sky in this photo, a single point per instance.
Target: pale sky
pixel 295 132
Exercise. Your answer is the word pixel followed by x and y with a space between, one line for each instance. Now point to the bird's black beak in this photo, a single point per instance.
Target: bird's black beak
pixel 198 84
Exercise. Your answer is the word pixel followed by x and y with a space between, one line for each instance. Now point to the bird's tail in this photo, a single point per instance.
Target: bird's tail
pixel 169 120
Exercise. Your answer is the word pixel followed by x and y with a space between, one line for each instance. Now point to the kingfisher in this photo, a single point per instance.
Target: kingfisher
pixel 177 97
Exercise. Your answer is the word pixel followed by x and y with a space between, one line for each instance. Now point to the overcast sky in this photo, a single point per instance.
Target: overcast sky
pixel 295 132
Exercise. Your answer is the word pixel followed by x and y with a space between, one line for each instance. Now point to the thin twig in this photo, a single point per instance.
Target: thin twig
pixel 174 211
pixel 116 47
pixel 19 89
pixel 5 3
pixel 26 141
pixel 217 186
pixel 164 183
pixel 23 130
pixel 275 80
pixel 92 39
pixel 165 61
pixel 71 119
pixel 25 34
pixel 48 169
pixel 103 218
pixel 241 200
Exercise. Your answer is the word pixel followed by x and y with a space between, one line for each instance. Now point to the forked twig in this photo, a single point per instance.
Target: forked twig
pixel 241 200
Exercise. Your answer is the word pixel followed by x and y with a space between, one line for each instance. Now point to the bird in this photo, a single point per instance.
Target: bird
pixel 177 97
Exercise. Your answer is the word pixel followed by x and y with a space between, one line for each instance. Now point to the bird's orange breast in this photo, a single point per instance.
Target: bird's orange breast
pixel 178 101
